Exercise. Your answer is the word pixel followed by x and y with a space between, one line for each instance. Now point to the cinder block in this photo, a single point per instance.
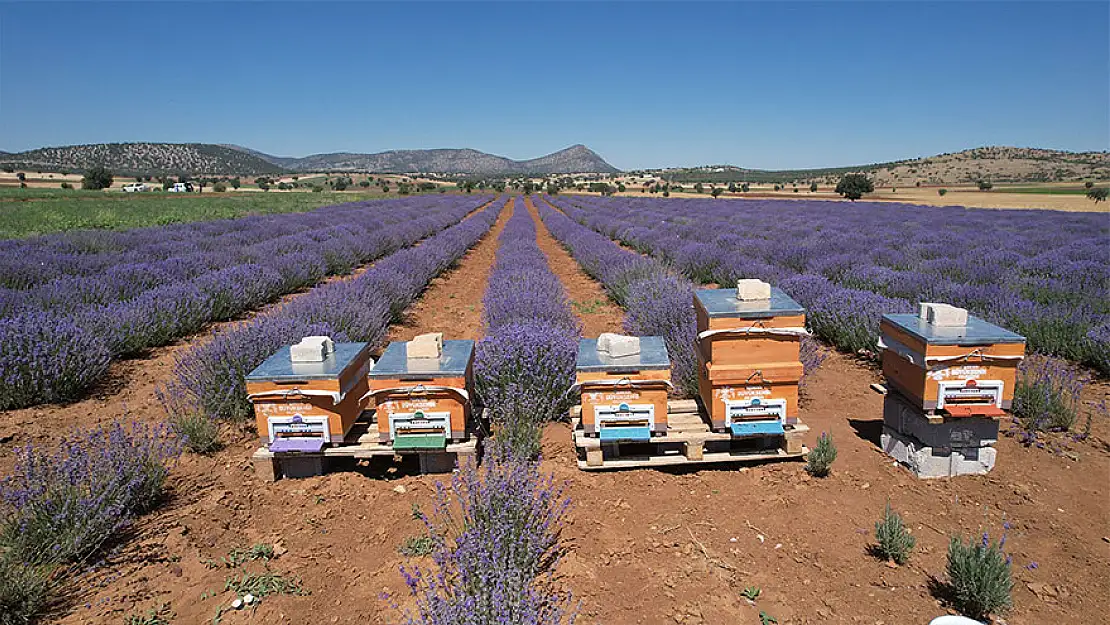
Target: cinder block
pixel 618 345
pixel 946 315
pixel 312 349
pixel 910 420
pixel 426 346
pixel 752 289
pixel 929 462
pixel 295 467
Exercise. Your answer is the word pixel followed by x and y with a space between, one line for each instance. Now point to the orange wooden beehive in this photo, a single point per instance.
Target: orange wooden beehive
pixel 624 398
pixel 303 406
pixel 421 403
pixel 741 393
pixel 965 370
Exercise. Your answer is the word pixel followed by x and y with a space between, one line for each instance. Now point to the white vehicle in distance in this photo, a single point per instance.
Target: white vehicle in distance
pixel 181 187
pixel 135 187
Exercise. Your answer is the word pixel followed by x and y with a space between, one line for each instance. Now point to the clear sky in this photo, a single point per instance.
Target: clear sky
pixel 645 85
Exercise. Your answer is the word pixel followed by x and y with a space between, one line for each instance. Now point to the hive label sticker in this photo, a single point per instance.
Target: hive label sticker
pixel 726 393
pixel 281 409
pixel 958 373
pixel 616 396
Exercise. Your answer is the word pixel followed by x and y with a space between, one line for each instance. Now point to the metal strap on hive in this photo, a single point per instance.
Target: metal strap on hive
pixel 419 389
pixel 973 353
pixel 757 327
pixel 296 392
pixel 913 357
pixel 623 382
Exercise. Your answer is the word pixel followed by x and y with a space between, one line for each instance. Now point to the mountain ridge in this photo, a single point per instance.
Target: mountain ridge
pixel 207 158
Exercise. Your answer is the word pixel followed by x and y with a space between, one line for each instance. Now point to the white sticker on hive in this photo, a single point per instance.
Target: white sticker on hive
pixel 958 373
pixel 740 392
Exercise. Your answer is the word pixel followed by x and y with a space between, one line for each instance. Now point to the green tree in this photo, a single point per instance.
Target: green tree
pixel 97 178
pixel 1098 195
pixel 853 186
pixel 236 183
pixel 21 176
pixel 1088 184
pixel 813 187
pixel 732 187
pixel 745 187
pixel 219 187
pixel 698 188
pixel 716 192
pixel 985 185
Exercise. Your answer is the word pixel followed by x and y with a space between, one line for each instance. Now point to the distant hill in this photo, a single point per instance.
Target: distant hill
pixel 143 158
pixel 205 158
pixel 575 159
pixel 996 164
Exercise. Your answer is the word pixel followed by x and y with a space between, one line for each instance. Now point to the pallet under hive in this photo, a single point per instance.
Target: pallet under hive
pixel 688 440
pixel 361 443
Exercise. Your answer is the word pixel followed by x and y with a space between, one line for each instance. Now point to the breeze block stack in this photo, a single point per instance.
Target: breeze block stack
pixel 749 358
pixel 950 378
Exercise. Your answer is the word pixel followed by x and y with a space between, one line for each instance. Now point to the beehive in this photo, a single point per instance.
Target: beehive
pixel 302 406
pixel 965 370
pixel 624 398
pixel 752 332
pixel 749 360
pixel 421 403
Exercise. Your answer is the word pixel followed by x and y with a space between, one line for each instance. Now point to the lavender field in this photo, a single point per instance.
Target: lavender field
pixel 1043 274
pixel 70 303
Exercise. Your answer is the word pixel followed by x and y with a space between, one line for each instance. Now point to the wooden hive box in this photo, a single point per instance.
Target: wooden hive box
pixel 967 370
pixel 422 403
pixel 754 332
pixel 302 406
pixel 745 394
pixel 624 399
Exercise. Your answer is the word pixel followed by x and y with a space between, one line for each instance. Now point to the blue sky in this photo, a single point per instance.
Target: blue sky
pixel 661 84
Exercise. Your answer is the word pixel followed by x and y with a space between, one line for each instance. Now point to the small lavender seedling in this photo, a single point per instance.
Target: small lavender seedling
pixel 751 593
pixel 415 546
pixel 199 432
pixel 820 459
pixel 154 616
pixel 894 541
pixel 979 576
pixel 264 584
pixel 766 619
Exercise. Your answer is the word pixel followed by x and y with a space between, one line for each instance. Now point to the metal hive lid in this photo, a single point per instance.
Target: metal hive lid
pixel 652 356
pixel 976 332
pixel 279 366
pixel 723 303
pixel 452 362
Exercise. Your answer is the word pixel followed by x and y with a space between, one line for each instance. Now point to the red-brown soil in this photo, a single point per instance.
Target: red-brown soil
pixel 597 312
pixel 646 546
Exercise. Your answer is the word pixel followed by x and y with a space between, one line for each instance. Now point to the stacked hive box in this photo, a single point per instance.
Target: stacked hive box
pixel 749 348
pixel 422 391
pixel 308 395
pixel 950 376
pixel 624 388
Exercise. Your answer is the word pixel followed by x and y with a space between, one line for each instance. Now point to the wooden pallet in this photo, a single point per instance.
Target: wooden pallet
pixel 688 441
pixel 361 443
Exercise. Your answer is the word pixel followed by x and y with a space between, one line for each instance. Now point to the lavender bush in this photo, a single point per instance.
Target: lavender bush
pixel 1046 396
pixel 61 506
pixel 979 576
pixel 68 299
pixel 524 366
pixel 1043 274
pixel 209 379
pixel 495 532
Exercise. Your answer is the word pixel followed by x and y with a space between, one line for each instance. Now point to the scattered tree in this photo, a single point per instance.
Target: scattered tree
pixel 813 187
pixel 265 186
pixel 985 185
pixel 1088 184
pixel 1098 195
pixel 853 186
pixel 732 187
pixel 745 187
pixel 698 188
pixel 66 185
pixel 716 192
pixel 97 178
pixel 21 176
pixel 942 192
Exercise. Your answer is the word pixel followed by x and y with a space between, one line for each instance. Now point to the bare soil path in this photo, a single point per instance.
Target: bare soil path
pixel 592 305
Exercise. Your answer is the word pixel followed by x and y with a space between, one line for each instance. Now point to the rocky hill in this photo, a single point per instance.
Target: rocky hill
pixel 142 158
pixel 996 164
pixel 204 158
pixel 575 159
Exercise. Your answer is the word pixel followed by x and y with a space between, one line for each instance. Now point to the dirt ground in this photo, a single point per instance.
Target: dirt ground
pixel 646 546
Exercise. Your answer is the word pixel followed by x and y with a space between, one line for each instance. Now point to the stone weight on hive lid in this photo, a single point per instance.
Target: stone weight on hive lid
pixel 624 397
pixel 308 396
pixel 964 367
pixel 423 402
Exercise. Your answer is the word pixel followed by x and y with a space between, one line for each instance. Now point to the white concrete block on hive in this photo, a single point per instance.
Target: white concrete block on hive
pixel 748 289
pixel 312 349
pixel 948 316
pixel 426 346
pixel 929 462
pixel 909 420
pixel 618 345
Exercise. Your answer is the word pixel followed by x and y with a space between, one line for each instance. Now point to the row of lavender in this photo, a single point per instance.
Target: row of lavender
pixel 657 302
pixel 209 379
pixel 495 531
pixel 76 301
pixel 1041 273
